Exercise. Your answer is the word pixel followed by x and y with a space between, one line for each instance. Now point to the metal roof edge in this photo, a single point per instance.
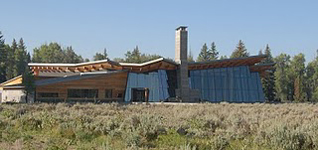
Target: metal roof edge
pixel 228 59
pixel 68 64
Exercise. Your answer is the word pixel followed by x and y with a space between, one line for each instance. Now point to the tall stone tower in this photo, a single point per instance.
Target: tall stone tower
pixel 181 57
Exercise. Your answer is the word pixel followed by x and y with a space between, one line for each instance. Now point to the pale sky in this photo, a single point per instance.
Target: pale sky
pixel 90 26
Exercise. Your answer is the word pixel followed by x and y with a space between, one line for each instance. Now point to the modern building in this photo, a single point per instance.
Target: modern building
pixel 231 80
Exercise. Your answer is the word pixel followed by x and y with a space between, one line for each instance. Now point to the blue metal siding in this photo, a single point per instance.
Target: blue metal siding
pixel 155 81
pixel 234 84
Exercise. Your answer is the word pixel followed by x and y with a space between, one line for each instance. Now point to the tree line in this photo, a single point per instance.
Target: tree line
pixel 289 80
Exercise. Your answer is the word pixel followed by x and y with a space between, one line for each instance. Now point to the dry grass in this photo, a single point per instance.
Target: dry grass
pixel 200 126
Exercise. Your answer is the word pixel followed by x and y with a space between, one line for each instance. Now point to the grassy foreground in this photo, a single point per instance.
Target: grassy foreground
pixel 199 126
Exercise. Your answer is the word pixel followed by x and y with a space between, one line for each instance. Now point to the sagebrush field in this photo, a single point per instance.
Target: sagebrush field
pixel 195 126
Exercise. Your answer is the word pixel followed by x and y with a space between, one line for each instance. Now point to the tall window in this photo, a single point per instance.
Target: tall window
pixel 82 93
pixel 108 93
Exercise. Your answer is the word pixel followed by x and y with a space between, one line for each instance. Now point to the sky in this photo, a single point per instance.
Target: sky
pixel 89 26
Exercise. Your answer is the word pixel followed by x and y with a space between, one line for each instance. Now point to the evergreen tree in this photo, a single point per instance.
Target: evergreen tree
pixel 268 81
pixel 3 58
pixel 260 52
pixel 119 60
pixel 21 58
pixel 100 56
pixel 11 63
pixel 240 51
pixel 223 57
pixel 86 60
pixel 70 56
pixel 312 80
pixel 214 53
pixel 282 84
pixel 134 56
pixel 205 54
pixel 28 83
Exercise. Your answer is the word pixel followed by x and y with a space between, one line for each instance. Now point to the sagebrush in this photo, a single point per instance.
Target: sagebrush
pixel 192 126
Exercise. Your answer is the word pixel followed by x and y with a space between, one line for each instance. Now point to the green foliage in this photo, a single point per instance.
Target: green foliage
pixel 282 84
pixel 213 51
pixel 70 56
pixel 53 53
pixel 22 58
pixel 115 126
pixel 297 73
pixel 136 56
pixel 208 54
pixel 223 57
pixel 28 83
pixel 240 51
pixel 11 60
pixel 3 56
pixel 204 54
pixel 100 56
pixel 268 81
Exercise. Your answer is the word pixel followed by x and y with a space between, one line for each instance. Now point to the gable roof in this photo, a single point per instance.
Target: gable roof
pixel 14 81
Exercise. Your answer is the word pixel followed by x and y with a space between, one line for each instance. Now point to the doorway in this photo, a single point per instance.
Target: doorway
pixel 140 94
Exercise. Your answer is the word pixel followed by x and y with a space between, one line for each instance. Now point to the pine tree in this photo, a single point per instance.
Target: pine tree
pixel 21 58
pixel 3 59
pixel 11 63
pixel 260 52
pixel 240 51
pixel 214 53
pixel 100 56
pixel 223 57
pixel 134 56
pixel 204 54
pixel 70 56
pixel 268 81
pixel 105 53
pixel 86 60
pixel 28 83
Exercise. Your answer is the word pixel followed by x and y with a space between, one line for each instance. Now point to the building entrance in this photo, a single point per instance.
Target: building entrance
pixel 140 94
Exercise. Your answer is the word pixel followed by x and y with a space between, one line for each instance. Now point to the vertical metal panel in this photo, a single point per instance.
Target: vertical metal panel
pixel 156 82
pixel 234 84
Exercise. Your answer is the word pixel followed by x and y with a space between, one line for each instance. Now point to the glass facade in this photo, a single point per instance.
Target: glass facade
pixel 233 84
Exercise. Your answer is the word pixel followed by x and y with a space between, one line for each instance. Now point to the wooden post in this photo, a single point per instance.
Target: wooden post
pixel 147 95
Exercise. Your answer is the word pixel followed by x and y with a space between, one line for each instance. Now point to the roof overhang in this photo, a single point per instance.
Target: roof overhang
pixel 234 62
pixel 160 63
pixel 262 68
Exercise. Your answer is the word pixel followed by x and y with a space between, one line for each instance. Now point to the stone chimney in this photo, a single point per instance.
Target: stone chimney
pixel 181 47
pixel 181 57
